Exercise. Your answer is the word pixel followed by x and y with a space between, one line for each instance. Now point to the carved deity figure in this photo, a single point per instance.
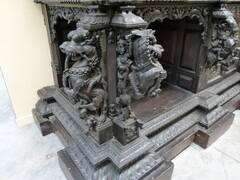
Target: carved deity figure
pixel 224 48
pixel 82 77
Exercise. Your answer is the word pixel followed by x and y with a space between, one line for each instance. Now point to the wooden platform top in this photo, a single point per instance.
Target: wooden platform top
pixel 171 96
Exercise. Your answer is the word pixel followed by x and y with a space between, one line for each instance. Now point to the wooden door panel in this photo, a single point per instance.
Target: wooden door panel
pixel 185 81
pixel 171 74
pixel 182 43
pixel 167 37
pixel 191 49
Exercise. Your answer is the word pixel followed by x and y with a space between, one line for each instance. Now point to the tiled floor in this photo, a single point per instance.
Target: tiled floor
pixel 25 154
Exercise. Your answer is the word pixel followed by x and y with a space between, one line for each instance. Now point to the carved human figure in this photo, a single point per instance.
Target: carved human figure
pixel 82 81
pixel 123 64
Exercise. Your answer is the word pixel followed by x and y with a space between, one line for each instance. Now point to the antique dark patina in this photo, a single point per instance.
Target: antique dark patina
pixel 136 82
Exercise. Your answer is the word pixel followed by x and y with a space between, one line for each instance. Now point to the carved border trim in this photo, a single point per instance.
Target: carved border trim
pixel 152 14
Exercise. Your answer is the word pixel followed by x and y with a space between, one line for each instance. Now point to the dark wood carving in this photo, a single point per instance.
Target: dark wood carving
pixel 224 49
pixel 82 81
pixel 137 85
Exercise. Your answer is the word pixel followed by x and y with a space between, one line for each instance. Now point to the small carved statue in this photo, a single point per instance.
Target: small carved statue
pixel 82 81
pixel 123 63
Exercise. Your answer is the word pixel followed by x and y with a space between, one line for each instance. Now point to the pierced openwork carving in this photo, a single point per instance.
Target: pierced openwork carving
pixel 152 14
pixel 67 13
pixel 82 77
pixel 224 41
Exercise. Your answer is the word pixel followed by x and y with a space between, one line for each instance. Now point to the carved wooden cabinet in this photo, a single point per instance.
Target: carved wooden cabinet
pixel 136 82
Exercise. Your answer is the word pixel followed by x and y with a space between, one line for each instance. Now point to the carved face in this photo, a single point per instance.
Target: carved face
pixel 122 47
pixel 79 35
pixel 73 49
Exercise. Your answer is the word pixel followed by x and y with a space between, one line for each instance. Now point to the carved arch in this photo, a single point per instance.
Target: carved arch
pixel 68 13
pixel 174 13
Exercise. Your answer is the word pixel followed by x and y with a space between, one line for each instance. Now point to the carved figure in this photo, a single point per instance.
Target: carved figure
pixel 224 48
pixel 123 63
pixel 146 72
pixel 139 73
pixel 124 107
pixel 82 81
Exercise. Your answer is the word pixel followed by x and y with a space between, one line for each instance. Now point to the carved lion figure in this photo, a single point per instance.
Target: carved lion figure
pixel 146 71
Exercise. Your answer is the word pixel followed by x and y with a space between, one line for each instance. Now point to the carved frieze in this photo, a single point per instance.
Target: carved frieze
pixel 151 14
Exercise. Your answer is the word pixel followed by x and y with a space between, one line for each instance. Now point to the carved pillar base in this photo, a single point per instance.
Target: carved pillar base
pixel 205 137
pixel 103 132
pixel 43 110
pixel 125 132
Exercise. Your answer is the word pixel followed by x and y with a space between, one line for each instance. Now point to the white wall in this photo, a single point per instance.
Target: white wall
pixel 24 55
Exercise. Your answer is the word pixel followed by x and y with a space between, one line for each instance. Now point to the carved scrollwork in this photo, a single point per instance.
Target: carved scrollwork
pixel 82 77
pixel 152 14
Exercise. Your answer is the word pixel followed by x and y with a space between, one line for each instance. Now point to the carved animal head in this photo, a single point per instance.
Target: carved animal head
pixel 75 47
pixel 145 47
pixel 122 46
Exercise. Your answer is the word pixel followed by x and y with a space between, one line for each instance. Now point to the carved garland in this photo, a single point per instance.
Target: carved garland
pixel 175 12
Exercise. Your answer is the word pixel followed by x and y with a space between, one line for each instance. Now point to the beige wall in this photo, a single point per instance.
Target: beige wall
pixel 24 55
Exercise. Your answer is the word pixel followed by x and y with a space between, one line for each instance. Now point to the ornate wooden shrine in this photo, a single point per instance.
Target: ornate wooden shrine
pixel 136 82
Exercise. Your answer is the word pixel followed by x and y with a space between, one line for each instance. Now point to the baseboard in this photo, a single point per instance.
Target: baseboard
pixel 24 120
